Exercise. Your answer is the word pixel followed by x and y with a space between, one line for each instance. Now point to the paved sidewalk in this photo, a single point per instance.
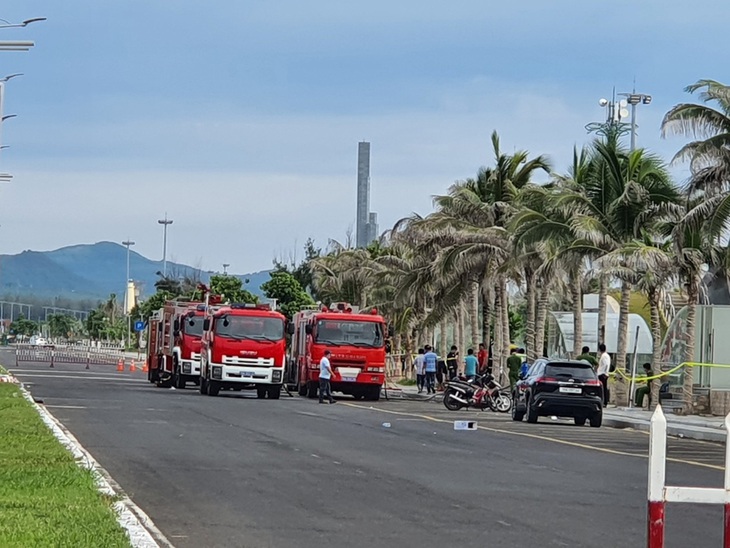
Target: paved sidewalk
pixel 707 428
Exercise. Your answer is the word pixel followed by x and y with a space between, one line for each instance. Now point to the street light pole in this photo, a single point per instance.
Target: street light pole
pixel 164 222
pixel 634 99
pixel 225 268
pixel 127 243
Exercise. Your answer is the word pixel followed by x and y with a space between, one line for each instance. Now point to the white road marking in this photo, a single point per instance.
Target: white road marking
pixel 66 406
pixel 81 377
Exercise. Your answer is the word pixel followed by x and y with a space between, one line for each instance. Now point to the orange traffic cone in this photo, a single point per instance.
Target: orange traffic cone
pixel 120 365
pixel 132 367
pixel 145 368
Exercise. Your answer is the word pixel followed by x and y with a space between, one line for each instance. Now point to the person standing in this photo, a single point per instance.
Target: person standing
pixel 429 360
pixel 514 364
pixel 482 358
pixel 470 364
pixel 604 368
pixel 325 374
pixel 586 356
pixel 452 362
pixel 420 366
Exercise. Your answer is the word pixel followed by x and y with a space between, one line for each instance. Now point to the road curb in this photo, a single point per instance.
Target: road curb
pixel 690 432
pixel 140 529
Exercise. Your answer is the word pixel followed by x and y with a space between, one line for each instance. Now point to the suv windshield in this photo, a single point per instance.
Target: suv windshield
pixel 570 371
pixel 193 326
pixel 349 333
pixel 250 327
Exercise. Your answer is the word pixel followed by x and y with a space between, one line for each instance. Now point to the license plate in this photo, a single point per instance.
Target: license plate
pixel 570 390
pixel 246 374
pixel 349 379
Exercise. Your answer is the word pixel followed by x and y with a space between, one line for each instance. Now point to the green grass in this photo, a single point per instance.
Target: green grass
pixel 46 499
pixel 407 382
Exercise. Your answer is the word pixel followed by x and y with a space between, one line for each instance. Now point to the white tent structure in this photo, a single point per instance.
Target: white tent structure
pixel 560 334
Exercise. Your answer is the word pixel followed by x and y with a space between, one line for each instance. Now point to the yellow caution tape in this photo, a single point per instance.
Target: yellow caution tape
pixel 644 378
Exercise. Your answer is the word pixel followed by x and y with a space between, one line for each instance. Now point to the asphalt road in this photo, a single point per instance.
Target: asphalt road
pixel 235 471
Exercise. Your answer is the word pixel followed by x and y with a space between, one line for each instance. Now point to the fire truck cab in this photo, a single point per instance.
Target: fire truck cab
pixel 243 346
pixel 357 345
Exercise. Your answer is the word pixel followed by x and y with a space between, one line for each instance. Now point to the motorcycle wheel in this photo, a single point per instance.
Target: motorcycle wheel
pixel 503 403
pixel 450 403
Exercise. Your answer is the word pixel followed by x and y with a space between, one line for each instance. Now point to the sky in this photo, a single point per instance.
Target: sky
pixel 240 119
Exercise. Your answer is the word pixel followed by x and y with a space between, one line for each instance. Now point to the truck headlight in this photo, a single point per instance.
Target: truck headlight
pixel 186 368
pixel 276 376
pixel 217 372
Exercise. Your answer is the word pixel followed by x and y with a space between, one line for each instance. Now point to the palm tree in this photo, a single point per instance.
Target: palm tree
pixel 710 126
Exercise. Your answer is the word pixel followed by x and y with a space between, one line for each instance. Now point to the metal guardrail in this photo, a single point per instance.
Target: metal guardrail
pixel 66 354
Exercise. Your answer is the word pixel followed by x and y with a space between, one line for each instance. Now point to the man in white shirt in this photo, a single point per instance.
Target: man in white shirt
pixel 325 374
pixel 604 368
pixel 419 365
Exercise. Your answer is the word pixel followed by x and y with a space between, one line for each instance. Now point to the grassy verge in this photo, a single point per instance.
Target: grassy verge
pixel 407 382
pixel 45 498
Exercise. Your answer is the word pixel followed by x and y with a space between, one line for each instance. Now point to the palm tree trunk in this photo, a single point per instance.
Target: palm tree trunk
pixel 623 342
pixel 577 297
pixel 530 313
pixel 487 310
pixel 689 350
pixel 463 324
pixel 541 298
pixel 506 338
pixel 656 338
pixel 602 296
pixel 498 334
pixel 474 316
pixel 442 338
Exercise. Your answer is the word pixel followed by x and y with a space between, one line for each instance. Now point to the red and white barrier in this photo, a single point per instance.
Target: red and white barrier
pixel 660 493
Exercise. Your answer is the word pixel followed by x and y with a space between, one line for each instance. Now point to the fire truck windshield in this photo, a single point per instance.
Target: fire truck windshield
pixel 250 327
pixel 193 326
pixel 353 333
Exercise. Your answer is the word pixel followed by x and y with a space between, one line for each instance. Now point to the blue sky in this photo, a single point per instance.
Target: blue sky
pixel 241 118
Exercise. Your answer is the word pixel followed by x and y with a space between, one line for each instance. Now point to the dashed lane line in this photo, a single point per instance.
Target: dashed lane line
pixel 539 437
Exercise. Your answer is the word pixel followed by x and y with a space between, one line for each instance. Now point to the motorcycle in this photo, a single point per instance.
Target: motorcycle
pixel 483 392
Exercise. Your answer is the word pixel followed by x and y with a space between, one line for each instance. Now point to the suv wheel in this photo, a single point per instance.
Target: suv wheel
pixel 596 420
pixel 579 421
pixel 531 412
pixel 517 416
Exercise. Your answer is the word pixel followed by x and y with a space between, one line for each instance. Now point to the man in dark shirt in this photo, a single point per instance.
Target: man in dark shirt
pixel 452 362
pixel 586 356
pixel 514 364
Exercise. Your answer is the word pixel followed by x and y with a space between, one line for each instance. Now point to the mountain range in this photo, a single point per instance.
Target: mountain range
pixel 92 271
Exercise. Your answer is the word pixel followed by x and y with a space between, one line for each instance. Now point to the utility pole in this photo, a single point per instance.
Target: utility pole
pixel 127 243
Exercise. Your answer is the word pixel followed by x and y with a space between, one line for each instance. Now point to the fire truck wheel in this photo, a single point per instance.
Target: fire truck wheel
pixel 178 380
pixel 213 388
pixel 261 392
pixel 312 390
pixel 373 393
pixel 203 386
pixel 274 392
pixel 302 389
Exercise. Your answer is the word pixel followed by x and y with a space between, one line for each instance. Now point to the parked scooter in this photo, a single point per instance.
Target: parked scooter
pixel 484 392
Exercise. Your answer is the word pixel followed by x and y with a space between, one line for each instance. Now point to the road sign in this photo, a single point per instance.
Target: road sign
pixel 139 326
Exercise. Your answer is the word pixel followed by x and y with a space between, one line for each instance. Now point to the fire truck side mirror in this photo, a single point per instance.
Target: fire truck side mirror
pixel 206 324
pixel 308 329
pixel 176 325
pixel 290 328
pixel 391 332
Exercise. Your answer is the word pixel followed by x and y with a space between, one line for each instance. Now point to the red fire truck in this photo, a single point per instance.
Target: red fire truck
pixel 243 347
pixel 357 343
pixel 174 338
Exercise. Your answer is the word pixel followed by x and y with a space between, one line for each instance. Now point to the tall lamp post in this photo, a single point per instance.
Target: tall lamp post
pixel 128 244
pixel 634 99
pixel 225 268
pixel 164 222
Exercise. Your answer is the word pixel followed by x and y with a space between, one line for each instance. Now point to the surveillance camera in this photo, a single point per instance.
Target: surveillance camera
pixel 603 102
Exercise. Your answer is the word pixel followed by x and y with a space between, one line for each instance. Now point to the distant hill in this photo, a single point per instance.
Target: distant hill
pixel 91 271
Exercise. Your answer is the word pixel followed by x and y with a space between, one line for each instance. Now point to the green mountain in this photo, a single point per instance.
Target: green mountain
pixel 91 272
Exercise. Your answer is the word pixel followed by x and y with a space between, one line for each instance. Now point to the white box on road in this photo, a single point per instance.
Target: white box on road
pixel 465 425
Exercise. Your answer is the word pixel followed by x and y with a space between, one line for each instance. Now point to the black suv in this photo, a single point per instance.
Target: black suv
pixel 565 388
